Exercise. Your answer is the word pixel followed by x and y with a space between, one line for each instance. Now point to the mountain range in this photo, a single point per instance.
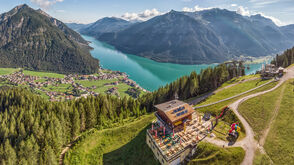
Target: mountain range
pixel 105 25
pixel 209 36
pixel 34 40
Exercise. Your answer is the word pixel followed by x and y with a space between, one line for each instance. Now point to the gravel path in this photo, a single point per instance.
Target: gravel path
pixel 249 144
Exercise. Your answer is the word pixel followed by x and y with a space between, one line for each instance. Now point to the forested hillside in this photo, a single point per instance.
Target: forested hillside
pixel 285 59
pixel 34 130
pixel 33 40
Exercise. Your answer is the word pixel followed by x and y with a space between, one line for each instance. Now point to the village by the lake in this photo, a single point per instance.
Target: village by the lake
pixel 59 87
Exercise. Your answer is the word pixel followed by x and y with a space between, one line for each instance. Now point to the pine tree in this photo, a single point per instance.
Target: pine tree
pixel 75 123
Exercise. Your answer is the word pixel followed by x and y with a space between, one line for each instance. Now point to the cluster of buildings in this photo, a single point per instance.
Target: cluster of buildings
pixel 101 76
pixel 269 71
pixel 132 84
pixel 176 132
pixel 41 84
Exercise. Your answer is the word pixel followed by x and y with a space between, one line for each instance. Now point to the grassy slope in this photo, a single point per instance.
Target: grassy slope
pixel 127 145
pixel 232 91
pixel 5 71
pixel 230 82
pixel 121 145
pixel 217 107
pixel 279 143
pixel 230 117
pixel 210 154
pixel 261 159
pixel 59 88
pixel 240 79
pixel 43 74
pixel 101 88
pixel 259 110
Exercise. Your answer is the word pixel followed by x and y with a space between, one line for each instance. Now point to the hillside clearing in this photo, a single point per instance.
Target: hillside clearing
pixel 5 71
pixel 121 145
pixel 43 74
pixel 234 90
pixel 258 110
pixel 279 142
pixel 216 108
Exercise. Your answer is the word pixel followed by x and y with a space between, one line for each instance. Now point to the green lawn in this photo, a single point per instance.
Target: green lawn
pixel 239 79
pixel 261 159
pixel 5 71
pixel 279 143
pixel 227 83
pixel 59 88
pixel 43 74
pixel 101 88
pixel 232 91
pixel 259 110
pixel 210 154
pixel 215 109
pixel 121 145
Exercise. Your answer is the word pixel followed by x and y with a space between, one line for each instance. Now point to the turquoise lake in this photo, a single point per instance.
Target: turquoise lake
pixel 147 73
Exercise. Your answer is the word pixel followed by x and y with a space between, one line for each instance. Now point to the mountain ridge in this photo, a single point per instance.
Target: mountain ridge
pixel 33 40
pixel 215 35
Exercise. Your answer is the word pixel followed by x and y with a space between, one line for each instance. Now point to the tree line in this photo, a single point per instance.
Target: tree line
pixel 194 84
pixel 34 130
pixel 285 59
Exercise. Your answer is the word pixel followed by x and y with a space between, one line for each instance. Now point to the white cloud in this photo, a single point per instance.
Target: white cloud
pixel 234 5
pixel 274 19
pixel 45 4
pixel 147 14
pixel 243 11
pixel 196 8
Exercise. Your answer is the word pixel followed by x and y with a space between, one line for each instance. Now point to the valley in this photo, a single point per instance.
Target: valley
pixel 150 74
pixel 59 87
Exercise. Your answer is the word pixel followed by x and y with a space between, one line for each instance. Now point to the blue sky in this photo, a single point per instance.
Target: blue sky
pixel 87 11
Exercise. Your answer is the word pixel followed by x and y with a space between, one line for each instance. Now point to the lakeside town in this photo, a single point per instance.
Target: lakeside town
pixel 74 86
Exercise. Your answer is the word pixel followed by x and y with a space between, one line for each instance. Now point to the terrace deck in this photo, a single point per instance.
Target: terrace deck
pixel 171 145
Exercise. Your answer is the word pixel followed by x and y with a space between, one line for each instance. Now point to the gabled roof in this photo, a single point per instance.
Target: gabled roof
pixel 175 110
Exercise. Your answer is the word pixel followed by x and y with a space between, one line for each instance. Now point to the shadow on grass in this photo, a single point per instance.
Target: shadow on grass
pixel 134 152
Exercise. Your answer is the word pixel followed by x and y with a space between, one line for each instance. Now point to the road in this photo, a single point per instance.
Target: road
pixel 240 94
pixel 205 96
pixel 249 144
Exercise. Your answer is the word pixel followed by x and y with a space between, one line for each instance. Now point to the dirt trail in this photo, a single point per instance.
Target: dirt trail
pixel 276 112
pixel 249 144
pixel 67 147
pixel 205 96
